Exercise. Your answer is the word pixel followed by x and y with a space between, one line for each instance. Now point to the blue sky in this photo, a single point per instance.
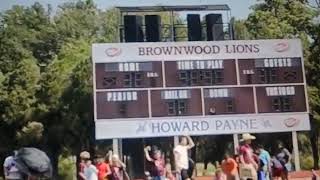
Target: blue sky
pixel 240 8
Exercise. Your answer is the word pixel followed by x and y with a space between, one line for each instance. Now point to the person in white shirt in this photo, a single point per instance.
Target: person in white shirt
pixel 90 171
pixel 11 172
pixel 181 156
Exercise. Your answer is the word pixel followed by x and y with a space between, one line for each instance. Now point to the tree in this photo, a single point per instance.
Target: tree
pixel 240 30
pixel 45 75
pixel 292 19
pixel 65 98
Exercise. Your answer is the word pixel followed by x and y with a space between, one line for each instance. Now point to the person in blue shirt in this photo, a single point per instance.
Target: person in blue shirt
pixel 264 170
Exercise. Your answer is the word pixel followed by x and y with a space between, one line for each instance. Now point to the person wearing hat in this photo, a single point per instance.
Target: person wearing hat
pixel 248 166
pixel 84 155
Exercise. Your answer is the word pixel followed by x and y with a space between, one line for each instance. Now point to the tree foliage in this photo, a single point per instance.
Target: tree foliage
pixel 45 75
pixel 291 19
pixel 45 66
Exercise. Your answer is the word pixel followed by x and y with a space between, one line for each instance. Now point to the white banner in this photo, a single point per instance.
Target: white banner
pixel 210 125
pixel 202 50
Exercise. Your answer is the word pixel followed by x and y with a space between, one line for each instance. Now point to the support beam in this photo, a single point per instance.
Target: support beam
pixel 175 141
pixel 235 143
pixel 296 151
pixel 115 146
pixel 120 149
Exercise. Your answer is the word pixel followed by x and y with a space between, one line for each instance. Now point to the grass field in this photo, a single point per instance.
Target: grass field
pixel 200 171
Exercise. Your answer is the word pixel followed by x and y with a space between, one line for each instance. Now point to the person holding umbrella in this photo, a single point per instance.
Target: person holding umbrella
pixel 33 163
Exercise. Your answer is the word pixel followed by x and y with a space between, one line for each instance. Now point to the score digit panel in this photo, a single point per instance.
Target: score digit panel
pixel 271 70
pixel 257 91
pixel 200 72
pixel 128 75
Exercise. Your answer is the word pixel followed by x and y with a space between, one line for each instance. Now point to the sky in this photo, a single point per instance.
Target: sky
pixel 239 8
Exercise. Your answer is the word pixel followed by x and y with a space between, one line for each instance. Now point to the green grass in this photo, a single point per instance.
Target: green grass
pixel 201 172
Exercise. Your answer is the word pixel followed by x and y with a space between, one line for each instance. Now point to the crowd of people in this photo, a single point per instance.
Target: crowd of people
pixel 250 162
pixel 112 168
pixel 255 163
pixel 161 169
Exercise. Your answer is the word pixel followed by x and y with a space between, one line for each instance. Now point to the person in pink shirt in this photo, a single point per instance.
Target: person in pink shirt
pixel 248 160
pixel 158 163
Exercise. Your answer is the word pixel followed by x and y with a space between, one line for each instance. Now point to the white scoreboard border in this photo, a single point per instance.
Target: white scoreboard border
pixel 295 50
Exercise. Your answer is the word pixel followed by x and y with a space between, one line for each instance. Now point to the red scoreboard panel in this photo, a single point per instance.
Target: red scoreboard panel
pixel 199 88
pixel 183 102
pixel 276 99
pixel 128 75
pixel 229 101
pixel 201 73
pixel 122 104
pixel 270 71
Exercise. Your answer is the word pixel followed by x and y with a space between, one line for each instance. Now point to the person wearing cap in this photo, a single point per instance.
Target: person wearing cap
pixel 84 155
pixel 103 168
pixel 248 166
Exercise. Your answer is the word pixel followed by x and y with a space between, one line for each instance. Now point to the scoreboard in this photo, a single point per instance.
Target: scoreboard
pixel 199 88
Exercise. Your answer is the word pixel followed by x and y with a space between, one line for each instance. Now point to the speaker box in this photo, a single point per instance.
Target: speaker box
pixel 214 27
pixel 194 27
pixel 153 28
pixel 133 28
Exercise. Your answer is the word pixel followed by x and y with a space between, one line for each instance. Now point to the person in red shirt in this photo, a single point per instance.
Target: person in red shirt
pixel 103 168
pixel 230 167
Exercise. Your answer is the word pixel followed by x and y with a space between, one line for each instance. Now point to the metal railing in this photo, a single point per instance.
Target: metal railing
pixel 179 32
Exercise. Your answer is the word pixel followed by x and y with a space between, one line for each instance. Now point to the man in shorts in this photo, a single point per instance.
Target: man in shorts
pixel 181 156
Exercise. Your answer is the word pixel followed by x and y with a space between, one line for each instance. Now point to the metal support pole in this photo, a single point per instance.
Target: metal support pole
pixel 296 151
pixel 176 140
pixel 235 143
pixel 115 146
pixel 120 148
